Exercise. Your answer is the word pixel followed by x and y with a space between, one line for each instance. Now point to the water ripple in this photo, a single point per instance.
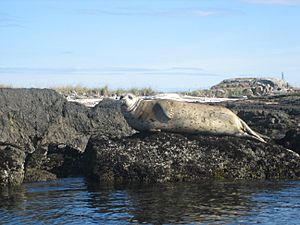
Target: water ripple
pixel 74 201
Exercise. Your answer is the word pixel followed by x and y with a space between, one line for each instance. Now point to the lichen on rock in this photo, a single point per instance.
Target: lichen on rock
pixel 12 166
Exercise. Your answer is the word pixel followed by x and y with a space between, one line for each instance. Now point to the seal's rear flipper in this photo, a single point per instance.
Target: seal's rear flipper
pixel 249 136
pixel 250 133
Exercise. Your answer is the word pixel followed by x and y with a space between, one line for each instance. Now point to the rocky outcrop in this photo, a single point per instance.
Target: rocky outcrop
pixel 252 87
pixel 270 116
pixel 43 137
pixel 163 157
pixel 51 132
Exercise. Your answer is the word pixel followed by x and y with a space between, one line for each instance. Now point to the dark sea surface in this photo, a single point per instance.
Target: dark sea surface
pixel 75 201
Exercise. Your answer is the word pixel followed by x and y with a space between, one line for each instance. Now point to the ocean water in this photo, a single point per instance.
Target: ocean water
pixel 75 201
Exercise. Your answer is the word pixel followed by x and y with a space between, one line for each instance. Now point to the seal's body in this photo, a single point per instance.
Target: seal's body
pixel 183 117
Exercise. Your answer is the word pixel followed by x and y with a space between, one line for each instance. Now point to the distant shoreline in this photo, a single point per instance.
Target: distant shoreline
pixel 229 88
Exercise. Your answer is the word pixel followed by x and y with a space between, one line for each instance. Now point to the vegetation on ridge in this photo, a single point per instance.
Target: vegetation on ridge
pixel 101 91
pixel 229 88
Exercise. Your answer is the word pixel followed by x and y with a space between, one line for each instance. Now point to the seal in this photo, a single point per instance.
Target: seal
pixel 183 117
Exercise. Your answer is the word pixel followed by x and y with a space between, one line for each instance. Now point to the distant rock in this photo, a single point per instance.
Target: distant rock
pixel 167 157
pixel 253 87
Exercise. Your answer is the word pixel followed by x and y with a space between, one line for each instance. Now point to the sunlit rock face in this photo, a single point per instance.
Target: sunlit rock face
pixel 50 132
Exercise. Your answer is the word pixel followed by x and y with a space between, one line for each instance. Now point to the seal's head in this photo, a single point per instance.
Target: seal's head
pixel 129 101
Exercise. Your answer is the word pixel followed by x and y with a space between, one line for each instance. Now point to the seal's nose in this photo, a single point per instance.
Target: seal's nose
pixel 121 97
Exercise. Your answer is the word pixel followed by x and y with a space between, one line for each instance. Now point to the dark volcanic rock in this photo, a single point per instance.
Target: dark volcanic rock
pixel 37 121
pixel 11 165
pixel 46 136
pixel 36 117
pixel 60 160
pixel 36 175
pixel 291 140
pixel 271 116
pixel 109 120
pixel 162 157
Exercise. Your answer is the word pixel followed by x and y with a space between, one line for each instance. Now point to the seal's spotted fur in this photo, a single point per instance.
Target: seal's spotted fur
pixel 183 117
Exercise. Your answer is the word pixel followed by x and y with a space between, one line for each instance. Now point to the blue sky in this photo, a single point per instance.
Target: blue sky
pixel 163 44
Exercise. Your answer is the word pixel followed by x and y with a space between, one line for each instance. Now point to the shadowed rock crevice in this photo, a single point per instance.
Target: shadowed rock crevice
pixel 291 140
pixel 53 161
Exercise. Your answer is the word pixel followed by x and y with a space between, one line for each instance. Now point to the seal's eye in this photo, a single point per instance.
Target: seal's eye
pixel 130 97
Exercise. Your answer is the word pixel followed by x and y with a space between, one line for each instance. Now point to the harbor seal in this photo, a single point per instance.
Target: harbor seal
pixel 183 117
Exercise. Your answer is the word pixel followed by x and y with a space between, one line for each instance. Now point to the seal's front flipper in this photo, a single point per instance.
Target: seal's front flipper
pixel 161 114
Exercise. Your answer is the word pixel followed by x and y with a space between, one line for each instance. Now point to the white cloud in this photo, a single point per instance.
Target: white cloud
pixel 164 79
pixel 151 12
pixel 276 2
pixel 190 71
